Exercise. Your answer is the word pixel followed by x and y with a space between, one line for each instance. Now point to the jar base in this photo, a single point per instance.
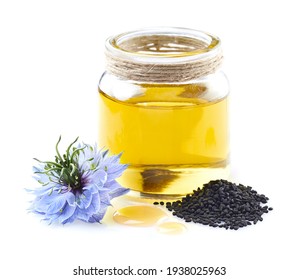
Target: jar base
pixel 170 180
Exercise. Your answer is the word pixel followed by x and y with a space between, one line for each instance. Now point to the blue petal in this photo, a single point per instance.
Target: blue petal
pixel 91 188
pixel 96 218
pixel 98 177
pixel 109 160
pixel 70 198
pixel 112 185
pixel 57 204
pixel 113 159
pixel 105 153
pixel 73 217
pixel 118 192
pixel 116 189
pixel 102 212
pixel 41 178
pixel 42 203
pixel 84 199
pixel 105 199
pixel 45 190
pixel 114 171
pixel 83 215
pixel 59 201
pixel 114 175
pixel 67 214
pixel 84 159
pixel 38 175
pixel 95 204
pixel 51 217
pixel 39 168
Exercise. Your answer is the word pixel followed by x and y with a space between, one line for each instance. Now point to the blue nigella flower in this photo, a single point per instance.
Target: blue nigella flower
pixel 77 185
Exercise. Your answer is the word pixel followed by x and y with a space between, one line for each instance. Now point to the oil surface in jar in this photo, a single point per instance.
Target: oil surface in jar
pixel 138 215
pixel 172 137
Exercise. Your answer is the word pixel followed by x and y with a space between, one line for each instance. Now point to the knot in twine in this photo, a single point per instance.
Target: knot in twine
pixel 163 59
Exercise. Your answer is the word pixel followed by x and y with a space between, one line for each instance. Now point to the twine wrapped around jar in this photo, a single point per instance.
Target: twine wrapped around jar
pixel 162 58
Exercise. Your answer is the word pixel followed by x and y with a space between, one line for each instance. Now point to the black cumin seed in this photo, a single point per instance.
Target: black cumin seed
pixel 221 203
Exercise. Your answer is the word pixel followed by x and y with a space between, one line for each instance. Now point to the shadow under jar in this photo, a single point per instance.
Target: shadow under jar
pixel 163 103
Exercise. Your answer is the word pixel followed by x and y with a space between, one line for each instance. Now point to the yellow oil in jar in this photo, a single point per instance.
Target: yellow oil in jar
pixel 173 138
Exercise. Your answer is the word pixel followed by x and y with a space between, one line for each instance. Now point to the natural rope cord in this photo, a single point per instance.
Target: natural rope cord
pixel 187 59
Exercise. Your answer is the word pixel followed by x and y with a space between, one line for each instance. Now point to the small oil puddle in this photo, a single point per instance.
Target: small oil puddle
pixel 171 228
pixel 138 215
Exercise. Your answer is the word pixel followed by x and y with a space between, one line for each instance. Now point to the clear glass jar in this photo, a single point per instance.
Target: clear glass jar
pixel 163 103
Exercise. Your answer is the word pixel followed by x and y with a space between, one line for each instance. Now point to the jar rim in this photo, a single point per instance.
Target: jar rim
pixel 198 45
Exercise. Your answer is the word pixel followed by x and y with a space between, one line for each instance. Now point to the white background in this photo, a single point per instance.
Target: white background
pixel 51 57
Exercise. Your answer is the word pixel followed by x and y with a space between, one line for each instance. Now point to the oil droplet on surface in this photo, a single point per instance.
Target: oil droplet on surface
pixel 138 215
pixel 171 228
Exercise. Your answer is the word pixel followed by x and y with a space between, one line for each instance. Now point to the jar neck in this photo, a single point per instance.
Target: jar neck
pixel 163 55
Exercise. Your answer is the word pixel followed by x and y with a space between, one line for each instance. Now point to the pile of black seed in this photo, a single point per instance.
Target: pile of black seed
pixel 221 204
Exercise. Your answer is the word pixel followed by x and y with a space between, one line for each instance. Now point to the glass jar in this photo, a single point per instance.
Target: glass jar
pixel 163 104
